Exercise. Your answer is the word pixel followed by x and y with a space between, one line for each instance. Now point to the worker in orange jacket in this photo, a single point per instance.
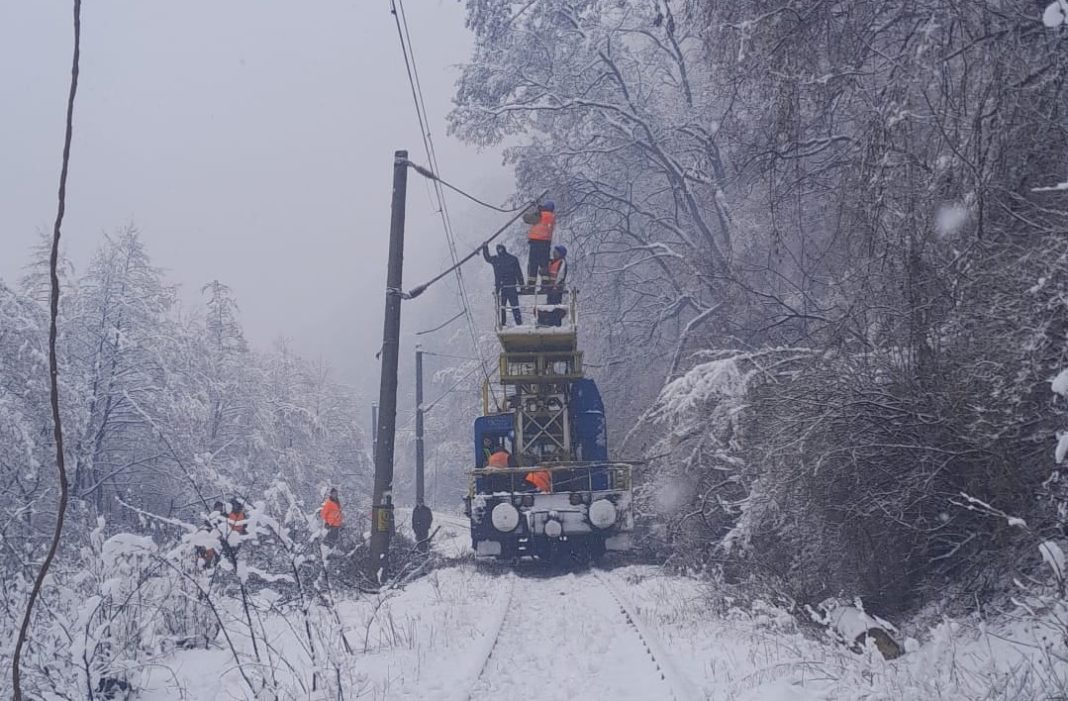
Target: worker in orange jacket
pixel 540 237
pixel 206 555
pixel 237 518
pixel 540 480
pixel 330 512
pixel 555 288
pixel 499 460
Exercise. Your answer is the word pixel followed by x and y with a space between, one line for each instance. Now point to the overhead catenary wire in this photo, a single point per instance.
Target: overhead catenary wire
pixel 427 407
pixel 448 355
pixel 420 108
pixel 434 176
pixel 416 291
pixel 431 405
pixel 439 327
pixel 420 289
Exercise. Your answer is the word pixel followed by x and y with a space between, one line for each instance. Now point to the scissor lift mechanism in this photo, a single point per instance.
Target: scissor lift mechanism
pixel 537 364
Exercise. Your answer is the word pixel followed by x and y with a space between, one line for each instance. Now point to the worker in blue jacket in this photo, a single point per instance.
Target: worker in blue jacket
pixel 507 274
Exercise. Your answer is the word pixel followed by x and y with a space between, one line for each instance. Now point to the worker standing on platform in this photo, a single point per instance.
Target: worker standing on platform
pixel 542 223
pixel 555 289
pixel 557 274
pixel 507 276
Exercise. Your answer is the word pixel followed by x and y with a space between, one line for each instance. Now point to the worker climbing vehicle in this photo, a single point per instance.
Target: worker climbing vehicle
pixel 543 486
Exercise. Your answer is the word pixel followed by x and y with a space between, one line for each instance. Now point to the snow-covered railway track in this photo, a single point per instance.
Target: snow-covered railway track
pixel 488 643
pixel 678 685
pixel 572 637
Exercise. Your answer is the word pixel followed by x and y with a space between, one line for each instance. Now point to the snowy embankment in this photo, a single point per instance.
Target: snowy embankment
pixel 759 653
pixel 630 632
pixel 406 644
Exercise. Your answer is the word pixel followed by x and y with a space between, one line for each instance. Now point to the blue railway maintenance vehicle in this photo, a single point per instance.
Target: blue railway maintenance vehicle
pixel 559 496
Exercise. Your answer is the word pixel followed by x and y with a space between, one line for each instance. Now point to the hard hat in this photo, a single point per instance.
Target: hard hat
pixel 562 250
pixel 548 206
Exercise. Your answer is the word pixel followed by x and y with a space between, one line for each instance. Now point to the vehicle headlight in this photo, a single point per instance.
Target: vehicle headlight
pixel 505 517
pixel 602 513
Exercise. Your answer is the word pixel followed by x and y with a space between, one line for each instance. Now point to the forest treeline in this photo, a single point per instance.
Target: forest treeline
pixel 836 231
pixel 165 411
pixel 822 248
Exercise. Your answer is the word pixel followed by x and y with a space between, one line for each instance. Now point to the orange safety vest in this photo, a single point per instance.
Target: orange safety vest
pixel 331 513
pixel 498 459
pixel 554 268
pixel 540 479
pixel 205 554
pixel 235 521
pixel 543 230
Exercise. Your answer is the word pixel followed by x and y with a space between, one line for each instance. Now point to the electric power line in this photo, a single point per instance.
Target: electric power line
pixel 434 176
pixel 420 289
pixel 428 145
pixel 431 405
pixel 448 355
pixel 439 327
pixel 450 390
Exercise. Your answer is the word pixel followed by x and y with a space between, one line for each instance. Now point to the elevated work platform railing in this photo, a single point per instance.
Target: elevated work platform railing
pixel 563 477
pixel 541 319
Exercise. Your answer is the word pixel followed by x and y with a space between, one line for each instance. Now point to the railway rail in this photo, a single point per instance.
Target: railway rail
pixel 564 635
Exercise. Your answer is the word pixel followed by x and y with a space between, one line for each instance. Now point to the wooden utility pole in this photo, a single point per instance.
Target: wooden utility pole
pixel 421 515
pixel 382 499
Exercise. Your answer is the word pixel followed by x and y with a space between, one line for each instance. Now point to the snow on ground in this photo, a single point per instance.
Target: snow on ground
pixel 465 631
pixel 451 537
pixel 759 654
pixel 567 629
pixel 407 644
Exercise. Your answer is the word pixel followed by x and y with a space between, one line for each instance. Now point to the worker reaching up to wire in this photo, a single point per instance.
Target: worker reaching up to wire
pixel 542 222
pixel 507 276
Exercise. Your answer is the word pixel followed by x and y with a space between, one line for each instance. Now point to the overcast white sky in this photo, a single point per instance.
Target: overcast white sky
pixel 250 141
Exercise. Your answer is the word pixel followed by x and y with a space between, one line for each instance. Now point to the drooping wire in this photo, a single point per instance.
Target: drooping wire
pixel 404 36
pixel 420 289
pixel 452 388
pixel 431 405
pixel 439 327
pixel 434 176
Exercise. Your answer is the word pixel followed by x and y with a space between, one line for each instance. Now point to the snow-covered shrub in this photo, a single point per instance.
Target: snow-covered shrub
pixel 843 472
pixel 164 413
pixel 696 486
